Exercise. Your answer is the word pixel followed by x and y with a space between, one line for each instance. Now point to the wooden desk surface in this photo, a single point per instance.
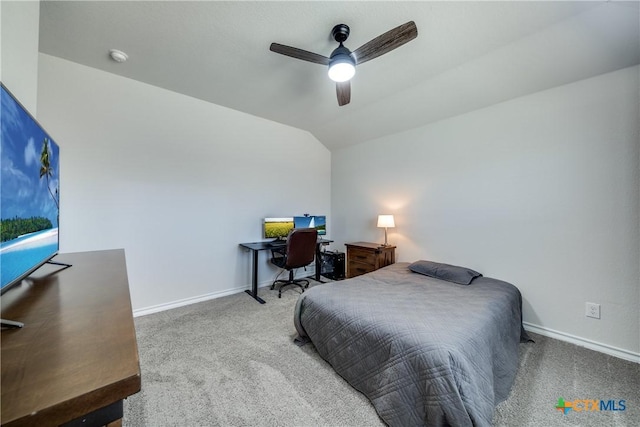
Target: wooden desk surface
pixel 77 351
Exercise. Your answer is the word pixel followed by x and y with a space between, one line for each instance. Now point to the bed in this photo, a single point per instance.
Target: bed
pixel 424 350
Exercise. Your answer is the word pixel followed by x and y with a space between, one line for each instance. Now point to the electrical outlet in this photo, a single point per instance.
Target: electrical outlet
pixel 593 310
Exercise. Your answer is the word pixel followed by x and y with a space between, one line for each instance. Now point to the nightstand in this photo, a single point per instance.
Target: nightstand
pixel 364 257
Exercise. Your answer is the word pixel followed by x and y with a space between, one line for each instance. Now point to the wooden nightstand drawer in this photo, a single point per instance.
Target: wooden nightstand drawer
pixel 365 257
pixel 358 268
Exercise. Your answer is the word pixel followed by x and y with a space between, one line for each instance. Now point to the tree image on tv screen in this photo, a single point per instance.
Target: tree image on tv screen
pixel 15 227
pixel 47 170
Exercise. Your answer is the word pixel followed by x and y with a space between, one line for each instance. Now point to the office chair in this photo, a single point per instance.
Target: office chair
pixel 299 252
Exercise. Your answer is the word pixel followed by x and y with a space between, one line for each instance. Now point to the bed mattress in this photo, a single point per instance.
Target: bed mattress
pixel 425 351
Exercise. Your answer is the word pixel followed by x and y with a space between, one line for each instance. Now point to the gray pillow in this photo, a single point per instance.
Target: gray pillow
pixel 450 273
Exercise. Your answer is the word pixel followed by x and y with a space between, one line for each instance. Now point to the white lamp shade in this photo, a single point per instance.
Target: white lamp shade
pixel 386 221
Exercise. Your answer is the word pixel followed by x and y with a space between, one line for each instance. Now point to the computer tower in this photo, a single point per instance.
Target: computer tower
pixel 333 265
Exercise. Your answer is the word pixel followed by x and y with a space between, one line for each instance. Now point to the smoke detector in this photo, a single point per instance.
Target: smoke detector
pixel 118 55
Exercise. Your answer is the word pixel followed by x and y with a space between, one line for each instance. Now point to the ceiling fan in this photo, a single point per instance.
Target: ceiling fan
pixel 342 62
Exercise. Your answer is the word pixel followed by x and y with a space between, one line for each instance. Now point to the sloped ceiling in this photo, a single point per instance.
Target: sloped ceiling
pixel 467 55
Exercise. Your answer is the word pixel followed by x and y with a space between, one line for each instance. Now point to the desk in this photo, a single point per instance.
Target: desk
pixel 76 358
pixel 256 247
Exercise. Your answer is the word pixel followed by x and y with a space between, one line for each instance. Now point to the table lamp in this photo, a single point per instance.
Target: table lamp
pixel 386 221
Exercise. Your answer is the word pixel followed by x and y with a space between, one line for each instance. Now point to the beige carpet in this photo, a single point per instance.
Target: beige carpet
pixel 232 362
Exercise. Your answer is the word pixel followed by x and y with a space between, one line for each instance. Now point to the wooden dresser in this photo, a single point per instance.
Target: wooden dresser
pixel 76 358
pixel 364 257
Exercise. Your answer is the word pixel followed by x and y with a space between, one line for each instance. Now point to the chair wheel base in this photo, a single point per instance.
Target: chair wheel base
pixel 301 283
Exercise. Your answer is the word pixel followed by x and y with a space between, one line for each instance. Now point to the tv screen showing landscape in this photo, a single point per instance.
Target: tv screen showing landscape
pixel 319 222
pixel 29 193
pixel 278 228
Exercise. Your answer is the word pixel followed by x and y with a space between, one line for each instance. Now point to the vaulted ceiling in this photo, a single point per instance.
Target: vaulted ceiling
pixel 468 55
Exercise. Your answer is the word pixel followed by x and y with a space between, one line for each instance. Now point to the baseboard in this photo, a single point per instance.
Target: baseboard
pixel 206 297
pixel 193 300
pixel 583 342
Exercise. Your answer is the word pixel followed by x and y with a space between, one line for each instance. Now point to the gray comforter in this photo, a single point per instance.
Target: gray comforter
pixel 423 350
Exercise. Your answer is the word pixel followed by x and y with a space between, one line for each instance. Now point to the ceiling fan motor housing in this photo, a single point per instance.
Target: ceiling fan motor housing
pixel 342 65
pixel 340 51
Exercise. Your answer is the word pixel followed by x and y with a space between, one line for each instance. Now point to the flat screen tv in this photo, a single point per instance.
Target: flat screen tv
pixel 29 193
pixel 277 228
pixel 319 222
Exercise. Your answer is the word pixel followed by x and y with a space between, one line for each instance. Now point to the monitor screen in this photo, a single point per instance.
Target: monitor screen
pixel 319 222
pixel 277 228
pixel 29 193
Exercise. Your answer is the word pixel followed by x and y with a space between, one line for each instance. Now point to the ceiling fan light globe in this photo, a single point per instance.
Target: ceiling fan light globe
pixel 341 71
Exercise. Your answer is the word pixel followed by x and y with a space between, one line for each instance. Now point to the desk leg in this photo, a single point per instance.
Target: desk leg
pixel 254 280
pixel 318 263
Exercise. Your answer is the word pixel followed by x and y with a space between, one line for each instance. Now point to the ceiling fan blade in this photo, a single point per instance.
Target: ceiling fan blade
pixel 386 42
pixel 343 90
pixel 294 52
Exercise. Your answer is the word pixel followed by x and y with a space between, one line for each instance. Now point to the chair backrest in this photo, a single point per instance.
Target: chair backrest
pixel 301 247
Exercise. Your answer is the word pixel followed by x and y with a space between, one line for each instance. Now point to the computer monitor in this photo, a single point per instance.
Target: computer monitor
pixel 277 228
pixel 319 222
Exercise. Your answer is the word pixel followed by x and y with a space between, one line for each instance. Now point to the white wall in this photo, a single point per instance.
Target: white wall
pixel 19 30
pixel 176 181
pixel 541 191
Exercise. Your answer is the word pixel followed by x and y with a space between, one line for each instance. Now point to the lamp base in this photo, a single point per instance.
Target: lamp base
pixel 385 244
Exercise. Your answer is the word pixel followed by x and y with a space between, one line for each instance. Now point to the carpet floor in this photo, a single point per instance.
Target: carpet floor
pixel 232 362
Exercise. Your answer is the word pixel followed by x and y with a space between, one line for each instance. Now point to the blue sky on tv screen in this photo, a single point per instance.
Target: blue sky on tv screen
pixel 23 193
pixel 310 221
